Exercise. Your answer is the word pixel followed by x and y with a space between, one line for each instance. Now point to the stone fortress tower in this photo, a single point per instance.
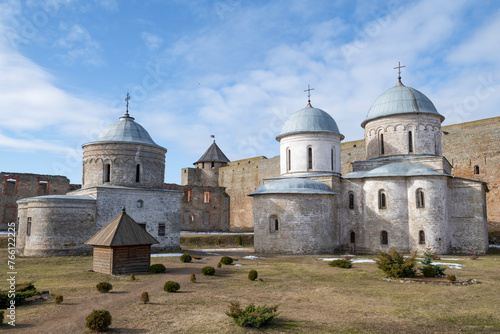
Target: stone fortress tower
pixel 122 168
pixel 402 196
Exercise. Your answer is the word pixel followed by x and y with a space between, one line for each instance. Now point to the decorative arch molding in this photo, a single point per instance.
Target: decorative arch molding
pixel 117 161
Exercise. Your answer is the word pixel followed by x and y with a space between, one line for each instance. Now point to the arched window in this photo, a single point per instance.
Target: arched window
pixel 410 142
pixel 273 224
pixel 309 158
pixel 351 201
pixel 107 173
pixel 288 160
pixel 420 198
pixel 382 151
pixel 138 173
pixel 382 199
pixel 384 238
pixel 333 159
pixel 476 169
pixel 352 237
pixel 213 165
pixel 421 237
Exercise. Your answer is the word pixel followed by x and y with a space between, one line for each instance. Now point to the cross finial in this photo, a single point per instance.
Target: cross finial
pixel 127 99
pixel 308 90
pixel 399 67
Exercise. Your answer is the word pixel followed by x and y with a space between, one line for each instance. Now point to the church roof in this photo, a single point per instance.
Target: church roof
pixel 309 119
pixel 122 231
pixel 405 168
pixel 126 130
pixel 214 153
pixel 293 186
pixel 400 99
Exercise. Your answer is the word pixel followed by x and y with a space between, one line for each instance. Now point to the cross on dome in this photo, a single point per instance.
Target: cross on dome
pixel 127 99
pixel 399 67
pixel 308 90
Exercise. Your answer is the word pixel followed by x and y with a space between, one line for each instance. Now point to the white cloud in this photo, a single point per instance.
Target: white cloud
pixel 79 47
pixel 153 42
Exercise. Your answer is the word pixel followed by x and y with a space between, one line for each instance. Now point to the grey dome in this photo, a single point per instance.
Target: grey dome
pixel 309 119
pixel 293 186
pixel 400 99
pixel 125 131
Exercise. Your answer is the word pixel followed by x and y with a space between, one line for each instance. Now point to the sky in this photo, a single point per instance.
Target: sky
pixel 233 69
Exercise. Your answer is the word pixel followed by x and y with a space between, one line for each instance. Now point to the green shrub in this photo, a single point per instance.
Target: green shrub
pixel 428 271
pixel 1 317
pixel 208 271
pixel 240 240
pixel 341 263
pixel 226 260
pixel 171 286
pixel 145 297
pixel 252 275
pixel 186 258
pixel 132 277
pixel 395 265
pixel 25 286
pixel 219 265
pixel 427 262
pixel 104 287
pixel 157 268
pixel 252 316
pixel 192 278
pixel 58 299
pixel 98 320
pixel 451 278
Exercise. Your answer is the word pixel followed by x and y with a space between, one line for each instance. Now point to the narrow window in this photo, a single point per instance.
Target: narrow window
pixel 333 159
pixel 187 196
pixel 273 224
pixel 353 237
pixel 140 203
pixel 382 199
pixel 351 201
pixel 10 187
pixel 28 227
pixel 107 172
pixel 213 165
pixel 206 197
pixel 309 158
pixel 382 151
pixel 288 160
pixel 138 173
pixel 476 169
pixel 161 229
pixel 410 142
pixel 42 188
pixel 384 238
pixel 421 237
pixel 202 165
pixel 420 198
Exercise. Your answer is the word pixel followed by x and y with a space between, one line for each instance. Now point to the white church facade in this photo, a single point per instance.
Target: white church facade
pixel 402 196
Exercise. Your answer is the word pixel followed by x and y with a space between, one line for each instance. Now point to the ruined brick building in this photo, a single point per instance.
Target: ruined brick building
pixel 122 168
pixel 402 195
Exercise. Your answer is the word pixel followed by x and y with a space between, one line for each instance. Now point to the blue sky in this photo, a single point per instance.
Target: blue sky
pixel 235 69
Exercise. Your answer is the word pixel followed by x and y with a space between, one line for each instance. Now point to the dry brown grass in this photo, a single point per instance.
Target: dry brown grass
pixel 313 298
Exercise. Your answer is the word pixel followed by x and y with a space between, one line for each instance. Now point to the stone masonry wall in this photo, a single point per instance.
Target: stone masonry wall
pixel 16 186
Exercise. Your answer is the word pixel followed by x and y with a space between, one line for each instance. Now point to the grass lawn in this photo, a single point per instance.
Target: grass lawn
pixel 312 296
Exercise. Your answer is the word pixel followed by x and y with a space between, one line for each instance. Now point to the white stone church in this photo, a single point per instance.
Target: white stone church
pixel 402 195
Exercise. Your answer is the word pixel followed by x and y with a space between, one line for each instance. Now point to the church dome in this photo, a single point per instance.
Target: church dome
pixel 126 130
pixel 400 99
pixel 309 119
pixel 293 186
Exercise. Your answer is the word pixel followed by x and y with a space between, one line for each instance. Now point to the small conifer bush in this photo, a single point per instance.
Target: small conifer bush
pixel 240 240
pixel 132 277
pixel 395 265
pixel 208 271
pixel 104 287
pixel 226 260
pixel 252 275
pixel 186 258
pixel 98 320
pixel 145 297
pixel 428 271
pixel 252 316
pixel 157 268
pixel 451 278
pixel 192 278
pixel 427 262
pixel 58 299
pixel 171 286
pixel 341 264
pixel 1 317
pixel 219 265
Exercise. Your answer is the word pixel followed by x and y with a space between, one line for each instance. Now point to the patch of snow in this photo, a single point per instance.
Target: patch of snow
pixel 450 259
pixel 252 257
pixel 218 233
pixel 238 265
pixel 166 255
pixel 341 258
pixel 494 246
pixel 226 250
pixel 450 265
pixel 363 261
